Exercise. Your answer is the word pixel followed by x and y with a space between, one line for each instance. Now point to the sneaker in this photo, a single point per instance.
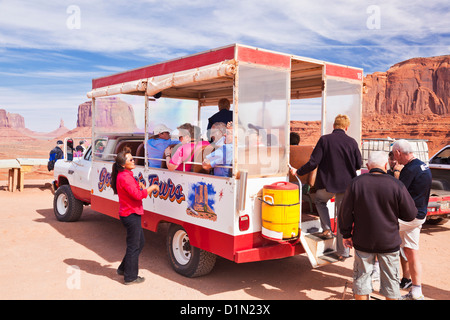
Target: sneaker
pixel 409 296
pixel 405 283
pixel 137 280
pixel 327 234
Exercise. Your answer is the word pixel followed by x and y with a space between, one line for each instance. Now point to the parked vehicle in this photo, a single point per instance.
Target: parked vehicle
pixel 439 164
pixel 439 203
pixel 210 215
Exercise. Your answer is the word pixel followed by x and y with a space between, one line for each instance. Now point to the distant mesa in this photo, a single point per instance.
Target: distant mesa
pixel 111 112
pixel 11 120
pixel 418 86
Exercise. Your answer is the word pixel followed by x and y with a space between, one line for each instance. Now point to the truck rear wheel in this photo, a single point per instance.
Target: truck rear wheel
pixel 185 259
pixel 66 207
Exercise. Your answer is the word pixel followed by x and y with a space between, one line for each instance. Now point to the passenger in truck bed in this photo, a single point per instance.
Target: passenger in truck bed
pixel 223 153
pixel 185 153
pixel 158 143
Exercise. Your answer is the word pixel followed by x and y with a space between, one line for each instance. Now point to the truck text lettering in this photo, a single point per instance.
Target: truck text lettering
pixel 167 190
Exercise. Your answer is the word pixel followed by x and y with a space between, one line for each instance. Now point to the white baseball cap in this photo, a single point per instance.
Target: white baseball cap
pixel 160 128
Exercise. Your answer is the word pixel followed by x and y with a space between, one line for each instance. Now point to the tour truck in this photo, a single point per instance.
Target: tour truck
pixel 254 214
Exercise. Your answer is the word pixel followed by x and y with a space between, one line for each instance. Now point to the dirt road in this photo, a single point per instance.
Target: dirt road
pixel 41 258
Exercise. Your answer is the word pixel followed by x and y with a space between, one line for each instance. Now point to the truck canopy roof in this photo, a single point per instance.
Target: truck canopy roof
pixel 209 76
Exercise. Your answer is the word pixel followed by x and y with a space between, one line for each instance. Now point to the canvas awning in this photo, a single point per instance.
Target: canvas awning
pixel 156 84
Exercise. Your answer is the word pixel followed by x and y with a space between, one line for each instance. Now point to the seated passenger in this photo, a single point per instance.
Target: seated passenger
pixel 157 144
pixel 185 153
pixel 223 153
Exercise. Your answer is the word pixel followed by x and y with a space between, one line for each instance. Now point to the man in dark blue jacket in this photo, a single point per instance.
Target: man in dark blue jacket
pixel 224 115
pixel 337 157
pixel 416 176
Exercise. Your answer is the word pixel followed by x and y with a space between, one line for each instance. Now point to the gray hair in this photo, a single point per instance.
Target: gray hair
pixel 222 127
pixel 403 146
pixel 377 159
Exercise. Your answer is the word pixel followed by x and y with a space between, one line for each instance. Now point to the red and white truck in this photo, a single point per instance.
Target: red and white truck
pixel 209 215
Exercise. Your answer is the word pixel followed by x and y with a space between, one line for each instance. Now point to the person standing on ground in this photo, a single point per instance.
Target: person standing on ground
pixel 369 221
pixel 130 212
pixel 55 154
pixel 416 176
pixel 337 157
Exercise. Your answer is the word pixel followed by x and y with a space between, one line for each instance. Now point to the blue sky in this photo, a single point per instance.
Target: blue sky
pixel 50 50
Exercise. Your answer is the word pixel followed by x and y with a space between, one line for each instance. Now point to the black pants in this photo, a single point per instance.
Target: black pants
pixel 135 244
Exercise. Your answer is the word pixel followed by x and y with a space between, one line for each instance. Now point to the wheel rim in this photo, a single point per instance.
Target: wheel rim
pixel 181 247
pixel 62 204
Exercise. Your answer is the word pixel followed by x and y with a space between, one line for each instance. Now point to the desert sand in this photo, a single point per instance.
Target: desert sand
pixel 42 258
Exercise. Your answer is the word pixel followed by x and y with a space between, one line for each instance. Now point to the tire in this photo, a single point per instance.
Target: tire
pixel 65 206
pixel 437 221
pixel 185 259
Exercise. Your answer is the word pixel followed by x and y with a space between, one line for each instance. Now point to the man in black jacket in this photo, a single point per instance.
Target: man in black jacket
pixel 337 157
pixel 368 220
pixel 224 115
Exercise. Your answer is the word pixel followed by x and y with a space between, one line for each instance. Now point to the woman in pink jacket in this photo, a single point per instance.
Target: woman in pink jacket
pixel 130 194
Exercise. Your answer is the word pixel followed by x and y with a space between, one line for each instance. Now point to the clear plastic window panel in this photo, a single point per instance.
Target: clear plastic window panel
pixel 114 116
pixel 172 113
pixel 120 113
pixel 263 123
pixel 343 97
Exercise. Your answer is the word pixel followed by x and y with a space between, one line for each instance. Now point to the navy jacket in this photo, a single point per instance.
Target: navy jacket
pixel 338 157
pixel 223 115
pixel 370 210
pixel 417 178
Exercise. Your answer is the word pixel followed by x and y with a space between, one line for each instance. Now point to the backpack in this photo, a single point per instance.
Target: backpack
pixel 51 165
pixel 55 154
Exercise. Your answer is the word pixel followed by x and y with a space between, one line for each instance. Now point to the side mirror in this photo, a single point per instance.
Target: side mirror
pixel 68 149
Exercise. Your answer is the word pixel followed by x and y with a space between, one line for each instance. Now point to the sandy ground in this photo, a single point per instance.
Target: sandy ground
pixel 41 258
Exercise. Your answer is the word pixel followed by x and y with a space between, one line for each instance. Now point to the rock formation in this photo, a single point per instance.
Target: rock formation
pixel 112 112
pixel 412 87
pixel 11 120
pixel 60 131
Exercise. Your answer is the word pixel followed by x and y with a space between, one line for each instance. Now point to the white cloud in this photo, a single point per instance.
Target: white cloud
pixel 115 34
pixel 160 28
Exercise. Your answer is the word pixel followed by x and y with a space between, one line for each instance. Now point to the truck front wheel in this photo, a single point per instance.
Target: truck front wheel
pixel 66 207
pixel 185 259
